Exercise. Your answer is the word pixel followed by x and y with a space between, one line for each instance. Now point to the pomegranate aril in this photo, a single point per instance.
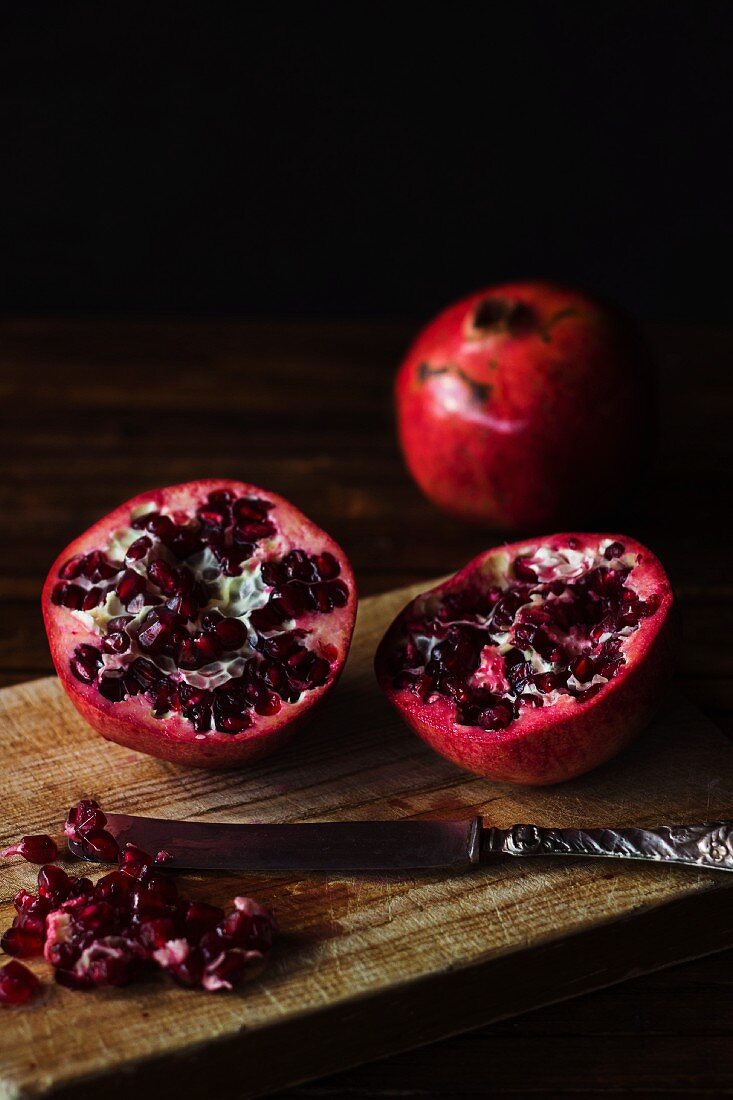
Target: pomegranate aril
pixel 155 632
pixel 327 566
pixel 136 863
pixel 112 686
pixel 207 648
pixel 86 663
pixel 266 618
pixel 279 646
pixel 93 598
pixel 319 672
pixel 53 883
pixel 495 717
pixel 21 944
pixel 252 531
pixel 212 519
pixel 145 672
pixel 582 669
pixel 185 604
pixel 200 917
pixel 17 984
pixel 25 902
pixel 97 567
pixel 131 584
pixel 68 595
pixel 164 576
pixel 519 675
pixel 232 633
pixel 250 508
pixel 34 849
pixel 162 527
pixel 614 550
pixel 524 572
pixel 118 641
pixel 138 549
pixel 101 845
pixel 268 704
pixel 72 568
pixel 156 933
pixel 232 723
pixel 114 886
pixel 545 682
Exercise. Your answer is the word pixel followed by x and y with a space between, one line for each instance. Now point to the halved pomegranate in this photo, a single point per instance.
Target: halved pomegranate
pixel 538 660
pixel 201 622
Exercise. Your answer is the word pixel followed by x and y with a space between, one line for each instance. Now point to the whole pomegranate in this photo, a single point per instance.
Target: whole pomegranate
pixel 523 405
pixel 201 622
pixel 536 662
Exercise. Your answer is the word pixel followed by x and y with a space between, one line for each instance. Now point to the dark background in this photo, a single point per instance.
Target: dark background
pixel 363 159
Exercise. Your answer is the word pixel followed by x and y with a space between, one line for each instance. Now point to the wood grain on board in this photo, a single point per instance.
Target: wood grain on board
pixel 366 965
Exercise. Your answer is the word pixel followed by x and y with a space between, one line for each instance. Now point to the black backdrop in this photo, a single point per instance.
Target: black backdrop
pixel 352 159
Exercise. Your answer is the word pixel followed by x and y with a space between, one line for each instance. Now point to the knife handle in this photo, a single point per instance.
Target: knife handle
pixel 707 845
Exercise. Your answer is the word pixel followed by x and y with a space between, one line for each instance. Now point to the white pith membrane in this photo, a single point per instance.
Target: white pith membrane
pixel 234 591
pixel 552 625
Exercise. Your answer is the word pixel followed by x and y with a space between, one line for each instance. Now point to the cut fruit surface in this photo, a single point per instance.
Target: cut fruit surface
pixel 538 660
pixel 199 623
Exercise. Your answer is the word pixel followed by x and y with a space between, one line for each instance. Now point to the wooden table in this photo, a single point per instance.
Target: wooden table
pixel 95 411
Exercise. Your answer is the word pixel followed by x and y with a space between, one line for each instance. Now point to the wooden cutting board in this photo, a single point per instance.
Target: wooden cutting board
pixel 365 965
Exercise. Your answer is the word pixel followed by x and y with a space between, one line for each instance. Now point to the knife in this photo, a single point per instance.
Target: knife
pixel 406 845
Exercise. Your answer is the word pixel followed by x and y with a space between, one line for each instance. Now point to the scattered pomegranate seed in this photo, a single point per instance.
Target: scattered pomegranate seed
pixel 17 983
pixel 34 849
pixel 131 920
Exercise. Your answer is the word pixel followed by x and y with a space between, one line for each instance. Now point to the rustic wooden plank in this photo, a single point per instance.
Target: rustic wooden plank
pixel 358 950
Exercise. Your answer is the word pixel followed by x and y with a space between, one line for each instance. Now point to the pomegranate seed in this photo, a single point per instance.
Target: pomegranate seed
pixel 17 984
pixel 118 641
pixel 101 845
pixel 615 550
pixel 112 686
pixel 34 849
pixel 135 863
pixel 164 576
pixel 327 566
pixel 53 883
pixel 232 633
pixel 155 633
pixel 200 918
pixel 582 669
pixel 162 527
pixel 130 585
pixel 68 595
pixel 138 549
pixel 71 569
pixel 85 663
pixel 524 572
pixel 21 943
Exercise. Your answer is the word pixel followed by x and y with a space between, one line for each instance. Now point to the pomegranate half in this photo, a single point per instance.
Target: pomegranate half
pixel 506 398
pixel 538 660
pixel 200 623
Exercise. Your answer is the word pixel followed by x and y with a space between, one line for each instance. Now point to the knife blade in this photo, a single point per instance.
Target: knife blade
pixel 308 846
pixel 409 845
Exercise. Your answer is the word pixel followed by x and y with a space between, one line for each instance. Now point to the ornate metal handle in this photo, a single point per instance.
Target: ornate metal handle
pixel 708 845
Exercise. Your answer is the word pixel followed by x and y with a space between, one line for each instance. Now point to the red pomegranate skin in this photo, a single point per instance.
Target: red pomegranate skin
pixel 171 738
pixel 552 744
pixel 523 405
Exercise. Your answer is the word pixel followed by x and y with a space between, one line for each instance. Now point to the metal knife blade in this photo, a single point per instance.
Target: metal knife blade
pixel 310 846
